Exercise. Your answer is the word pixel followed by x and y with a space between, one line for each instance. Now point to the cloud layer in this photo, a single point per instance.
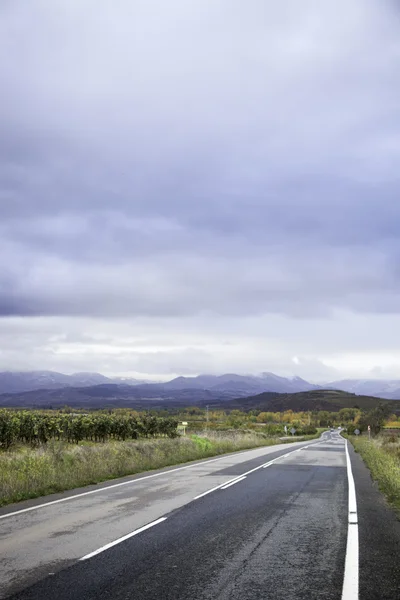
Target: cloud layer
pixel 187 163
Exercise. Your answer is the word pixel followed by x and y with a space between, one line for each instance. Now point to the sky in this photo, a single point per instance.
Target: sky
pixel 206 186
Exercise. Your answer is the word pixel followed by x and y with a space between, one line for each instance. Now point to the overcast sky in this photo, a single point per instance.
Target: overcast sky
pixel 202 186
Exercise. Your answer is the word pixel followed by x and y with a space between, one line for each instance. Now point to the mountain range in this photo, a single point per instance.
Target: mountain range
pixel 383 388
pixel 18 382
pixel 26 381
pixel 50 387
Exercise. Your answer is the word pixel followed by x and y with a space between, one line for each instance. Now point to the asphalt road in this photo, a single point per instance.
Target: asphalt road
pixel 201 531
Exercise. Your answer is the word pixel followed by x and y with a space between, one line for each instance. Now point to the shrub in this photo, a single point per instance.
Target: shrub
pixel 306 430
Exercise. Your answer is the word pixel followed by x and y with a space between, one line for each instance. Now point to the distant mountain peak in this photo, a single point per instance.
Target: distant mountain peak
pixel 233 384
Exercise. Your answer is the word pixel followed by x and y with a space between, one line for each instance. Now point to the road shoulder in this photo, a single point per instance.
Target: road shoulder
pixel 379 537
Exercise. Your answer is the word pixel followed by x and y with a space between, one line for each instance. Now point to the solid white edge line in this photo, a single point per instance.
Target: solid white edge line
pixel 123 538
pixel 351 568
pixel 233 483
pixel 352 488
pixel 115 485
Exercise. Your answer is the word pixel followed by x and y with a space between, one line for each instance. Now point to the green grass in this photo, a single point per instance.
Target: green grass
pixel 382 457
pixel 29 473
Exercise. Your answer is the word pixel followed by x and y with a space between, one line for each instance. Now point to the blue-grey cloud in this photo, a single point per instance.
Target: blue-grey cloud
pixel 199 160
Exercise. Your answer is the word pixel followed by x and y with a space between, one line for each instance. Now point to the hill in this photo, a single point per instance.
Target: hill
pixel 330 400
pixel 150 396
pixel 112 396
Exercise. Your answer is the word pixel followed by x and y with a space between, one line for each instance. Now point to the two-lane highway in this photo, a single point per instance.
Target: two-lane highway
pixel 266 523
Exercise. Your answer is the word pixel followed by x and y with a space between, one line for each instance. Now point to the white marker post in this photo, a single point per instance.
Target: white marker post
pixel 369 432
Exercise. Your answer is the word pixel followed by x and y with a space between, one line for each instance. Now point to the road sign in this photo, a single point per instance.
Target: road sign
pixel 293 431
pixel 357 431
pixel 184 425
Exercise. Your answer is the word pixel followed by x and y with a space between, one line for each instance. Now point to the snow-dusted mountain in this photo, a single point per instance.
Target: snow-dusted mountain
pixel 25 381
pixel 242 384
pixel 287 384
pixel 16 382
pixel 382 388
pixel 232 383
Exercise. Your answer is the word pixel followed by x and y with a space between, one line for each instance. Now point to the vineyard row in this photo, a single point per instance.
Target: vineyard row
pixel 37 428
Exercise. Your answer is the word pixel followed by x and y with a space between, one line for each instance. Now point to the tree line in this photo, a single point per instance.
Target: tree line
pixel 35 427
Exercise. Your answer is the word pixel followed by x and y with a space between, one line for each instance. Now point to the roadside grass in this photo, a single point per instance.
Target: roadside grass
pixel 32 472
pixel 382 457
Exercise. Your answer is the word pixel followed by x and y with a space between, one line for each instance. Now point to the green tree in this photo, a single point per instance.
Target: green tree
pixel 375 418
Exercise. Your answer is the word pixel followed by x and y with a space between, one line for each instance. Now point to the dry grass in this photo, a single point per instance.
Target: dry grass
pixel 29 473
pixel 382 457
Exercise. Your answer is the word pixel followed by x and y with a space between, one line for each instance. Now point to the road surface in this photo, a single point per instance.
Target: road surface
pixel 296 521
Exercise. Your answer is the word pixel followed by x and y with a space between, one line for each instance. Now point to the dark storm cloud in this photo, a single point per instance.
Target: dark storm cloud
pixel 204 158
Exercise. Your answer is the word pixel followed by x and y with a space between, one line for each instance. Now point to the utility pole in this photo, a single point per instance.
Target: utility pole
pixel 207 417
